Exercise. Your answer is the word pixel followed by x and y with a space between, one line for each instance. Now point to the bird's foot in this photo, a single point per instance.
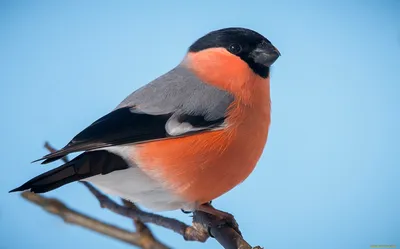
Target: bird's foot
pixel 222 218
pixel 189 212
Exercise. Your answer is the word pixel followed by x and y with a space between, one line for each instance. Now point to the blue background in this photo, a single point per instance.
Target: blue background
pixel 329 177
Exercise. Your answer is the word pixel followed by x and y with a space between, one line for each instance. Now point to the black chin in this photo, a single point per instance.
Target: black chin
pixel 259 69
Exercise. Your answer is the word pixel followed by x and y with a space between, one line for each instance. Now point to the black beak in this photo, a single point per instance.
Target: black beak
pixel 265 54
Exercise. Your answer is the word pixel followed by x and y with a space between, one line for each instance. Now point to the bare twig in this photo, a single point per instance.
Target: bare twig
pixel 71 216
pixel 142 229
pixel 139 225
pixel 203 223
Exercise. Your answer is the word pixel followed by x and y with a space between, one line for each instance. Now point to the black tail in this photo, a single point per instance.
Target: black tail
pixel 85 165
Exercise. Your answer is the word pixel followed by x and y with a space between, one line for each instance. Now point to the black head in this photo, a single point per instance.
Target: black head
pixel 253 48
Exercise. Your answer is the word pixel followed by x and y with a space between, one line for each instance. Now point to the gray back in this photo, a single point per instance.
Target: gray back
pixel 181 92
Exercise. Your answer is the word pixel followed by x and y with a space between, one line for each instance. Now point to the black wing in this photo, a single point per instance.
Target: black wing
pixel 124 126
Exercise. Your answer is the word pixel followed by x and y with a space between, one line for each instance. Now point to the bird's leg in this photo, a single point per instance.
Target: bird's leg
pixel 189 212
pixel 207 208
pixel 223 218
pixel 186 212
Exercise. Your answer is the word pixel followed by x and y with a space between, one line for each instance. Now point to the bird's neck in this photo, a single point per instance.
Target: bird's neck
pixel 230 73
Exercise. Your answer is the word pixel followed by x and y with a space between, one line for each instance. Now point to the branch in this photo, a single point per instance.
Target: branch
pixel 71 216
pixel 141 228
pixel 203 224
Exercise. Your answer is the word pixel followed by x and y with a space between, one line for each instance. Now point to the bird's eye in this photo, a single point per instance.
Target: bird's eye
pixel 235 48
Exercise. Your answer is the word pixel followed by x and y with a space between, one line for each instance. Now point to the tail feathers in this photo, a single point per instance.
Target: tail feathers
pixel 85 165
pixel 50 180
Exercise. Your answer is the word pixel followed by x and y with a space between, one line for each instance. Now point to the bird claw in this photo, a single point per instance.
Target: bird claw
pixel 186 212
pixel 228 220
pixel 221 218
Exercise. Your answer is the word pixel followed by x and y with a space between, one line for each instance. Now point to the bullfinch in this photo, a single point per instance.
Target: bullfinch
pixel 183 139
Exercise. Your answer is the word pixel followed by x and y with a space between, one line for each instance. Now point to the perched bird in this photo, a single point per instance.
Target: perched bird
pixel 185 138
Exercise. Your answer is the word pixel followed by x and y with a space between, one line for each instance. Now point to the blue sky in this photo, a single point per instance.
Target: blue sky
pixel 329 176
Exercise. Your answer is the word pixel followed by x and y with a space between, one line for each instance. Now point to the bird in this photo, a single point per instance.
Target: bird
pixel 184 139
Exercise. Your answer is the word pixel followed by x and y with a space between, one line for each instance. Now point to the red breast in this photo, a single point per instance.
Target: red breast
pixel 204 166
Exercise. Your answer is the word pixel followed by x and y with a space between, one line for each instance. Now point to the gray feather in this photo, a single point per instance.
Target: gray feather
pixel 180 92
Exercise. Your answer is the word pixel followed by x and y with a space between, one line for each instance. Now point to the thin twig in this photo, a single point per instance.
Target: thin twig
pixel 142 229
pixel 139 225
pixel 71 216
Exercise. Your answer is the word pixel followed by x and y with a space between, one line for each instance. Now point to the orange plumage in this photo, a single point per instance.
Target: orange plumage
pixel 202 167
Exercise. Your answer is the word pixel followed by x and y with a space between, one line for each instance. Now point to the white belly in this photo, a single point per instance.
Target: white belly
pixel 134 185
